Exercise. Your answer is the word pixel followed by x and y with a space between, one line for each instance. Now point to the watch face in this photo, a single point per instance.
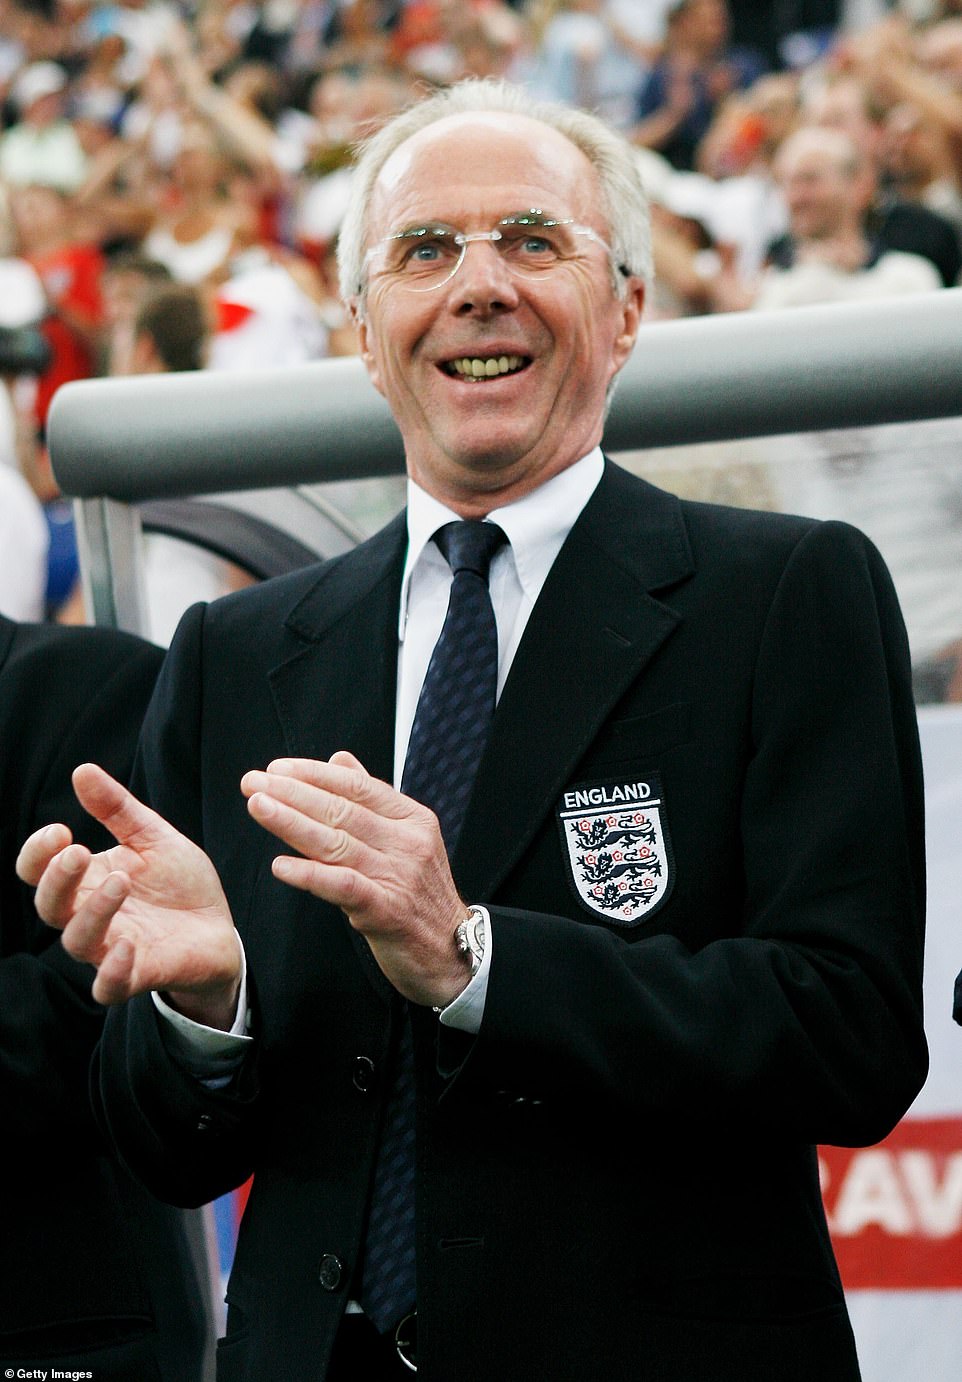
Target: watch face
pixel 469 937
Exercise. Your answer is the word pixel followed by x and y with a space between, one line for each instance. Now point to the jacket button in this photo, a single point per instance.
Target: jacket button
pixel 363 1074
pixel 331 1272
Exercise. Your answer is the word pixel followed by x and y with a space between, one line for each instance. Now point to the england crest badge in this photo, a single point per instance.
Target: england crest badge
pixel 615 839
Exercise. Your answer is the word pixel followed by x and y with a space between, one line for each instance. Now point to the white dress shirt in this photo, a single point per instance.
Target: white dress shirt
pixel 536 527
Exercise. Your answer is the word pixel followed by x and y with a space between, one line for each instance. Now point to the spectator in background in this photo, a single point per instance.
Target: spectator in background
pixel 439 41
pixel 918 79
pixel 640 26
pixel 790 33
pixel 194 232
pixel 698 69
pixel 846 102
pixel 141 27
pixel 299 38
pixel 344 106
pixel 712 229
pixel 154 116
pixel 42 147
pixel 829 254
pixel 171 332
pixel 582 55
pixel 918 163
pixel 126 282
pixel 937 50
pixel 69 267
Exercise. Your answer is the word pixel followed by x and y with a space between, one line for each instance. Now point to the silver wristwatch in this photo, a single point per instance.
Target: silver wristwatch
pixel 469 938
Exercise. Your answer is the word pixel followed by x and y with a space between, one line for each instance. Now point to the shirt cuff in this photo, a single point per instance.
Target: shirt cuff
pixel 466 1011
pixel 207 1052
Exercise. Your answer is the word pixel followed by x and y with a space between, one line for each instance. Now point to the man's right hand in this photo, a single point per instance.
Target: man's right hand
pixel 149 913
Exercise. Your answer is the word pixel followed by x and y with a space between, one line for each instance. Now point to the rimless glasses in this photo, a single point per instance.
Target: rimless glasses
pixel 530 243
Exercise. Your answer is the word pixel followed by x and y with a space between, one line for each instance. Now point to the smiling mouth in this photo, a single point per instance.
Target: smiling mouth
pixel 478 368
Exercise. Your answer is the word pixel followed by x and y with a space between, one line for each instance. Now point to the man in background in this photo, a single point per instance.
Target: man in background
pixel 828 254
pixel 95 1275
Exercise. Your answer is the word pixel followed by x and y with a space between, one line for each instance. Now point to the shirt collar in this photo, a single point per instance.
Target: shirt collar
pixel 536 525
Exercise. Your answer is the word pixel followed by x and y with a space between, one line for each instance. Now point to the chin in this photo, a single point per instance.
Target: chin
pixel 487 455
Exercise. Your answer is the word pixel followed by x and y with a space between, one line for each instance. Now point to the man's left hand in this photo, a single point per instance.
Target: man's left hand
pixel 376 854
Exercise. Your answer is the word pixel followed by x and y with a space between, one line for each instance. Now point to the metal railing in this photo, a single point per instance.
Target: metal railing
pixel 116 442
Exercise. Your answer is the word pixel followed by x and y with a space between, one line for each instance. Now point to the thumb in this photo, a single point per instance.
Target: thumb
pixel 110 803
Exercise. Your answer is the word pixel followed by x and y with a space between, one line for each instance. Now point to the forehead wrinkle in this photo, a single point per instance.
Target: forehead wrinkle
pixel 410 188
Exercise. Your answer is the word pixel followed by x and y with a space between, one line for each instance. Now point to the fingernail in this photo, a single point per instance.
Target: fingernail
pixel 114 886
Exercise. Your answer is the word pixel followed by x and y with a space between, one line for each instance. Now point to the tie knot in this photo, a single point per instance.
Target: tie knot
pixel 469 545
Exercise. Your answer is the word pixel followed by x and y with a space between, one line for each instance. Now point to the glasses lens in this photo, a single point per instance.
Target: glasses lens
pixel 423 255
pixel 532 243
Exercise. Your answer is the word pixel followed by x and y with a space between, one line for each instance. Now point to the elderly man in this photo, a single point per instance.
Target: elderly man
pixel 531 1048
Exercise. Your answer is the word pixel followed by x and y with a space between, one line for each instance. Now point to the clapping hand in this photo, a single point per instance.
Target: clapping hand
pixel 148 913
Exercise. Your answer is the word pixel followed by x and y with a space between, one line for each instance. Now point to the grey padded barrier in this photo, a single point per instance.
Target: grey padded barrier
pixel 701 379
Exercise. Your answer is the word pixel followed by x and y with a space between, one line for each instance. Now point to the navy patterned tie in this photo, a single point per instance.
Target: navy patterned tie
pixel 450 729
pixel 457 699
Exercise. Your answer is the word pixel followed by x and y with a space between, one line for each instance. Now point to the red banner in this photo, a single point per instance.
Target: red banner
pixel 895 1210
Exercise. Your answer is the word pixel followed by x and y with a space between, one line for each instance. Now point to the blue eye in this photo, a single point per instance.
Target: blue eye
pixel 426 248
pixel 530 246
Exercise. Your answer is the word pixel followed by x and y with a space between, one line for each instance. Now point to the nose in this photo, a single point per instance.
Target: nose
pixel 483 282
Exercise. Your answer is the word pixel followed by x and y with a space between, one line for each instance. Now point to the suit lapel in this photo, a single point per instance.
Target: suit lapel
pixel 338 689
pixel 593 629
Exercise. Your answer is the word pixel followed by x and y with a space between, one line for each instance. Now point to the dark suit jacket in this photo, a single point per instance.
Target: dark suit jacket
pixel 617 1175
pixel 94 1273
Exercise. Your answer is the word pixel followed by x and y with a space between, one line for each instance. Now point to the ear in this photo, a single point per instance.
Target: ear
pixel 365 343
pixel 631 308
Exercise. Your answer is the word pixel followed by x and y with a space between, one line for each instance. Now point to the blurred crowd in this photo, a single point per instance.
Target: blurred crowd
pixel 173 174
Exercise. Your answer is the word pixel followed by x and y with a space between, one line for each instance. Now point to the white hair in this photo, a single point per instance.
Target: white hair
pixel 623 200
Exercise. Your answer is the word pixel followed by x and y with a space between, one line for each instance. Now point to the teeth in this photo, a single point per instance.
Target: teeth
pixel 486 367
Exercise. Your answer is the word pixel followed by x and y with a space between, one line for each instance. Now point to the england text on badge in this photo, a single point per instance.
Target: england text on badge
pixel 615 839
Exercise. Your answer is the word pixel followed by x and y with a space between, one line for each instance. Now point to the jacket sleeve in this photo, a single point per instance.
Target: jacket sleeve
pixel 804 1019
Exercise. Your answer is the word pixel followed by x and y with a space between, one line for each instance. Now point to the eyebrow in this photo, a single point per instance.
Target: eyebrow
pixel 419 227
pixel 537 214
